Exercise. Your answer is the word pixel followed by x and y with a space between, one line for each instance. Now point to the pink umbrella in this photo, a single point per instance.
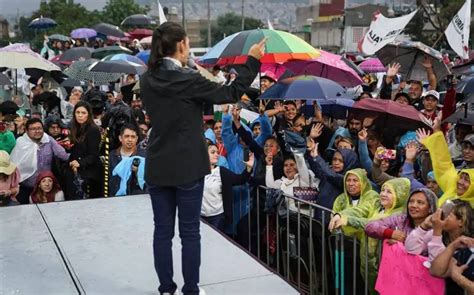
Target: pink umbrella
pixel 327 65
pixel 372 65
pixel 273 71
pixel 140 33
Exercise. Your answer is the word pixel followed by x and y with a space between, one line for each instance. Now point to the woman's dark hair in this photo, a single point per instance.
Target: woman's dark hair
pixel 288 102
pixel 164 42
pixel 79 131
pixel 464 212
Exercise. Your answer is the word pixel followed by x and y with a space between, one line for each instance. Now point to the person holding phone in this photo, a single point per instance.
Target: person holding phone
pixel 174 98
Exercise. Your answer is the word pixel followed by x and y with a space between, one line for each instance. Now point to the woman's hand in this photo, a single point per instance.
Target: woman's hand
pixel 399 236
pixel 316 130
pixel 336 222
pixel 427 224
pixel 74 164
pixel 258 50
pixel 250 162
pixel 438 222
pixel 314 151
pixel 421 134
pixel 363 135
pixel 411 150
pixel 269 160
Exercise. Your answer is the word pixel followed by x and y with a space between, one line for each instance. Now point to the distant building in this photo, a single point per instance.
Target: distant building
pixel 327 28
pixel 4 28
pixel 357 22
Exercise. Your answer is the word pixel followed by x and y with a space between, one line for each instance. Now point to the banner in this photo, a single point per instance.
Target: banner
pixel 383 30
pixel 457 32
pixel 161 14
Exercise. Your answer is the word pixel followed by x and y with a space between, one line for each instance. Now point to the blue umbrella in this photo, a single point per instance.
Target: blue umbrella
pixel 305 87
pixel 144 55
pixel 42 23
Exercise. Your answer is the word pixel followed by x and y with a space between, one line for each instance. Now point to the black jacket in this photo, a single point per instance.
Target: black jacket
pixel 87 154
pixel 174 98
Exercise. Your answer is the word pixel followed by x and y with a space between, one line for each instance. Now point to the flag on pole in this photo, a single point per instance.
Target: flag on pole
pixel 382 31
pixel 161 13
pixel 270 26
pixel 457 32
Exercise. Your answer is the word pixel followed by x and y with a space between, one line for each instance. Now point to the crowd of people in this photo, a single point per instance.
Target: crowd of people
pixel 410 187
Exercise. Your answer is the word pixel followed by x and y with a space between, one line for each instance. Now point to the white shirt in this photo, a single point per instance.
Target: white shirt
pixel 212 203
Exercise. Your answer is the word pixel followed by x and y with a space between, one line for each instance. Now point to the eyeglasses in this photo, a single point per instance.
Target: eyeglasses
pixel 35 129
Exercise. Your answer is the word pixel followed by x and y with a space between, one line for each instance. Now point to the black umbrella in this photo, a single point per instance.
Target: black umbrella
pixel 462 116
pixel 466 85
pixel 109 30
pixel 76 53
pixel 410 55
pixel 42 23
pixel 70 83
pixel 102 52
pixel 79 70
pixel 138 20
pixel 36 74
pixel 118 66
pixel 78 181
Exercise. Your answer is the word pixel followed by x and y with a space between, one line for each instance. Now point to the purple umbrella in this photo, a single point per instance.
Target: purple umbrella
pixel 83 33
pixel 327 65
pixel 372 65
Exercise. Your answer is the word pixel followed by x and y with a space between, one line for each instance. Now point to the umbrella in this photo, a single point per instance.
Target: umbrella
pixel 36 74
pixel 466 85
pixel 140 33
pixel 276 70
pixel 305 87
pixel 108 50
pixel 118 66
pixel 410 55
pixel 72 83
pixel 4 80
pixel 83 33
pixel 466 68
pixel 392 113
pixel 144 55
pixel 79 70
pixel 75 53
pixel 372 65
pixel 59 37
pixel 280 47
pixel 78 181
pixel 353 66
pixel 327 65
pixel 336 108
pixel 20 56
pixel 124 57
pixel 109 30
pixel 138 20
pixel 463 116
pixel 146 40
pixel 42 23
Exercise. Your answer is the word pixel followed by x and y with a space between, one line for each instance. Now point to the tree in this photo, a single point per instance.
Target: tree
pixel 227 25
pixel 68 15
pixel 115 11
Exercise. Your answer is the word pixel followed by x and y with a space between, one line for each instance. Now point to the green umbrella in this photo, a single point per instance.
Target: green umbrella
pixel 279 47
pixel 59 37
pixel 102 52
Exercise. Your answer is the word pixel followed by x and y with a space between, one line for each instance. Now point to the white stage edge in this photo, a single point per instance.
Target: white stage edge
pixel 104 246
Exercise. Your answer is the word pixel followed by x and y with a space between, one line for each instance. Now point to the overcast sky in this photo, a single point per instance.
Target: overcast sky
pixel 8 7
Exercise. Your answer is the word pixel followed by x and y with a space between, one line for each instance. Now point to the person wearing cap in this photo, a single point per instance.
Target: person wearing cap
pixel 467 152
pixel 9 180
pixel 267 79
pixel 430 105
pixel 402 98
pixel 231 76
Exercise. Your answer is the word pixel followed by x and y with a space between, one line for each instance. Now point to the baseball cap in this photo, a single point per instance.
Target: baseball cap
pixel 432 93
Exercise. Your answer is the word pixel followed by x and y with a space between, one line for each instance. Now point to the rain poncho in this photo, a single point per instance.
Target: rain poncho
pixel 356 217
pixel 400 188
pixel 444 170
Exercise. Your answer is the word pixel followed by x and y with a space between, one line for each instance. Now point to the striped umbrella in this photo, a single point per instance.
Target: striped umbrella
pixel 79 70
pixel 124 57
pixel 280 47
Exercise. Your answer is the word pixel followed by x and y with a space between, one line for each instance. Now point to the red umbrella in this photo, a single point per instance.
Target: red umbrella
pixel 391 113
pixel 140 33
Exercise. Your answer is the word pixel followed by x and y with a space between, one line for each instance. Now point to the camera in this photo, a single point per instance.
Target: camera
pixel 136 162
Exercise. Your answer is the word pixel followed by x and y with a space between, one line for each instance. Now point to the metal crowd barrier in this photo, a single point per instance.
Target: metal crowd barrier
pixel 304 268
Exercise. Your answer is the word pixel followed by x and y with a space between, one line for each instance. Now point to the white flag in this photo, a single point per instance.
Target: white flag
pixel 457 32
pixel 161 13
pixel 383 30
pixel 270 26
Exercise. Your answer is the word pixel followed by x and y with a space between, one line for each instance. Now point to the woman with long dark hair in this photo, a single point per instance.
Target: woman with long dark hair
pixel 177 157
pixel 84 162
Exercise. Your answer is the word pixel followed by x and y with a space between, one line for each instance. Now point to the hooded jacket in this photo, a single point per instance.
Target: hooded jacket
pixel 54 195
pixel 331 183
pixel 444 170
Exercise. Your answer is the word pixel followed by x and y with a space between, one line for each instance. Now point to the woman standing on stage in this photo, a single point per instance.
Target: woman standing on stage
pixel 177 159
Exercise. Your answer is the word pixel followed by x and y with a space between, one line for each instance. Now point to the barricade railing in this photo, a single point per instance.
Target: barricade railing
pixel 293 236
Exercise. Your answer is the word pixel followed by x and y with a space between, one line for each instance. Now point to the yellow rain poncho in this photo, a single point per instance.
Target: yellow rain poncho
pixel 445 173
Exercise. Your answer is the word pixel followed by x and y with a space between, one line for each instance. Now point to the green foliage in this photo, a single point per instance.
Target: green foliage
pixel 227 25
pixel 70 16
pixel 116 10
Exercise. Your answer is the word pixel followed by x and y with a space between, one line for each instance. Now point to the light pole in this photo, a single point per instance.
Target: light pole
pixel 209 23
pixel 243 18
pixel 183 14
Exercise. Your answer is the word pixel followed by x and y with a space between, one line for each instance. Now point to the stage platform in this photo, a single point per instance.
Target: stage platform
pixel 104 246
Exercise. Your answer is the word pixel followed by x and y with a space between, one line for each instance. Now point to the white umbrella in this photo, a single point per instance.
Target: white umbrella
pixel 146 40
pixel 20 56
